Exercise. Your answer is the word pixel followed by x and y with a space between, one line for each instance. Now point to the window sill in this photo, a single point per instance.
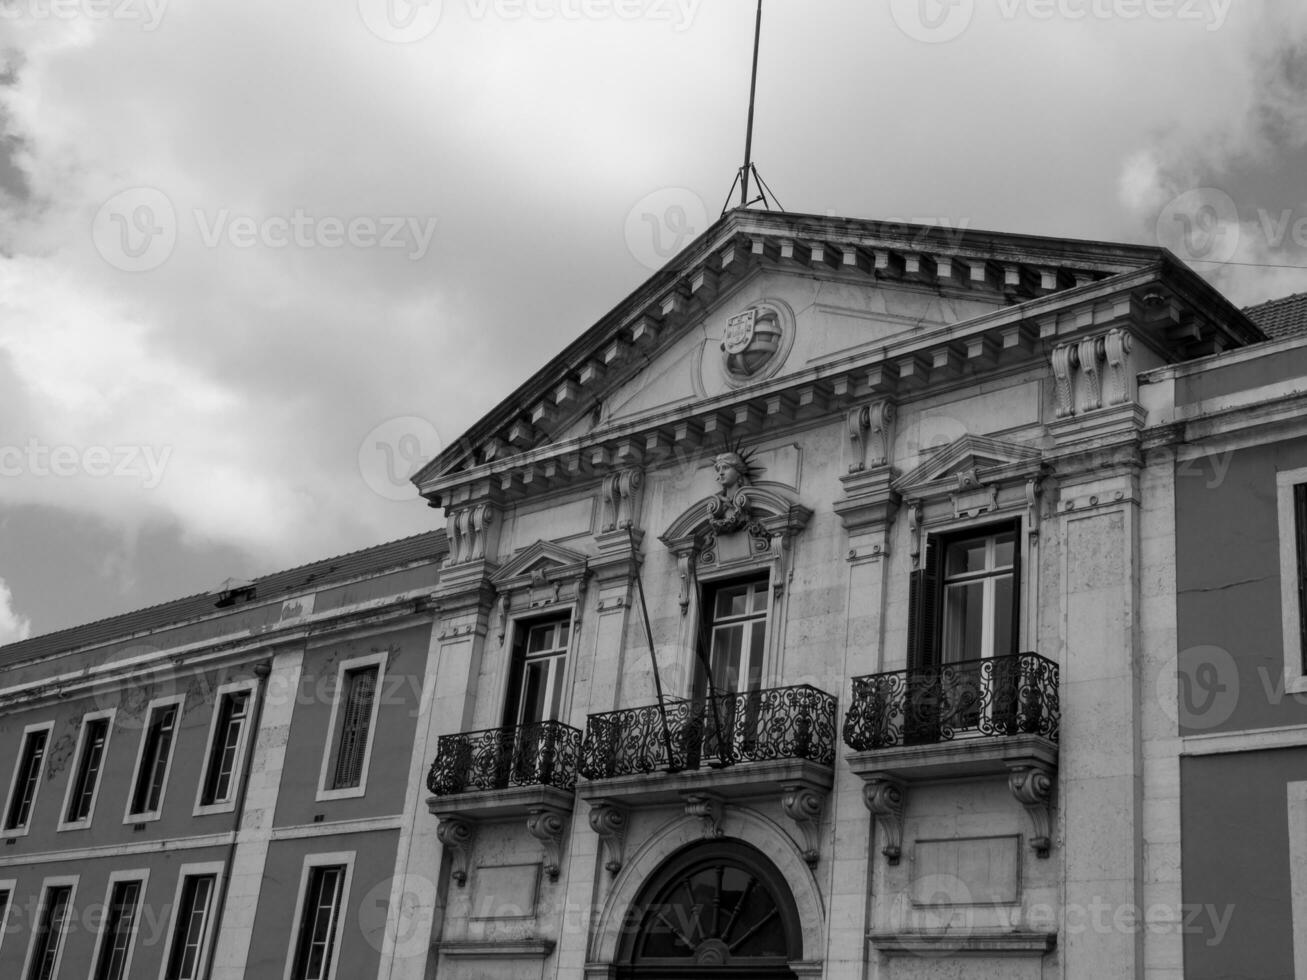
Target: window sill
pixel 353 793
pixel 955 759
pixel 963 943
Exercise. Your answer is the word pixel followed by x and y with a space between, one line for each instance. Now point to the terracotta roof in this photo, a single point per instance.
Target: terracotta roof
pixel 1281 318
pixel 419 548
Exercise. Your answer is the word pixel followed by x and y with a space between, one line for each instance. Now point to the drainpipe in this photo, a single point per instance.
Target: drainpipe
pixel 261 670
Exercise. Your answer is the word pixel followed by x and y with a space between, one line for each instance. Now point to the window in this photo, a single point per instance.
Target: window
pixel 963 612
pixel 191 919
pixel 51 924
pixel 119 927
pixel 155 760
pixel 27 778
pixel 86 774
pixel 535 684
pixel 353 719
pixel 6 902
pixel 1291 496
pixel 734 635
pixel 226 749
pixel 321 899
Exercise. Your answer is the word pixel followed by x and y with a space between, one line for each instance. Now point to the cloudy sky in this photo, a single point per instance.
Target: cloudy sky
pixel 257 260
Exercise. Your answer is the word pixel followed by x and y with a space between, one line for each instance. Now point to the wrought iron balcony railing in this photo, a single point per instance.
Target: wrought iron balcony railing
pixel 749 726
pixel 541 754
pixel 996 697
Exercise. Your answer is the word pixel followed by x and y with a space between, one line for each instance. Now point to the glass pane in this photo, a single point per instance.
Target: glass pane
pixel 533 691
pixel 728 641
pixel 1003 625
pixel 966 556
pixel 556 687
pixel 757 635
pixel 732 601
pixel 963 621
pixel 1004 545
pixel 760 597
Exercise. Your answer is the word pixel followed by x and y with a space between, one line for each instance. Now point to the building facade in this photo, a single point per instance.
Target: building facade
pixel 219 786
pixel 853 601
pixel 894 512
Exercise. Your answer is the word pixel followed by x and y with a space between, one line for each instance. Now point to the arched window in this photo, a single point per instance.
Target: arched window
pixel 719 908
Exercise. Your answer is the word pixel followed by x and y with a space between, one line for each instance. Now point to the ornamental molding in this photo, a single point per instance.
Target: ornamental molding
pixel 803 803
pixel 610 821
pixel 548 825
pixel 541 575
pixel 746 525
pixel 884 796
pixel 1095 372
pixel 755 343
pixel 459 835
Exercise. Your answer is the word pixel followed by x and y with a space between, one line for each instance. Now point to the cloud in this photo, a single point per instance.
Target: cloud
pixel 13 627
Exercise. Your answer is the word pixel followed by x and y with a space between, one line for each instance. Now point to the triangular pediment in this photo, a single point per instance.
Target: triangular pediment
pixel 540 560
pixel 801 310
pixel 967 455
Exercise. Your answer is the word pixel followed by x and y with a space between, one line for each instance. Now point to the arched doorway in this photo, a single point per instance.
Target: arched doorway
pixel 719 909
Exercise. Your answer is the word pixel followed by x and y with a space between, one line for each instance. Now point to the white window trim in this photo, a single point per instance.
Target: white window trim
pixel 1295 682
pixel 699 623
pixel 312 861
pixel 64 822
pixel 46 885
pixel 145 817
pixel 9 885
pixel 372 659
pixel 527 619
pixel 143 876
pixel 214 868
pixel 48 727
pixel 242 746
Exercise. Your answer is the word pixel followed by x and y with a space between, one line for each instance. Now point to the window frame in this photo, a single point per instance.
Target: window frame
pixel 47 884
pixel 517 640
pixel 7 886
pixel 141 876
pixel 28 731
pixel 145 816
pixel 311 861
pixel 1293 614
pixel 210 869
pixel 705 621
pixel 201 808
pixel 108 715
pixel 329 755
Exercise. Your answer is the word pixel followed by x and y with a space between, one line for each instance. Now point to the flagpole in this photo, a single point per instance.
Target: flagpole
pixel 748 135
pixel 653 655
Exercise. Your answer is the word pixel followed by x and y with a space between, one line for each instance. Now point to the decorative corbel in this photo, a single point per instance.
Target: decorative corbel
pixel 876 419
pixel 914 531
pixel 619 492
pixel 548 824
pixel 1032 785
pixel 1033 491
pixel 685 569
pixel 884 798
pixel 859 422
pixel 803 804
pixel 882 419
pixel 1090 353
pixel 707 808
pixel 502 608
pixel 609 821
pixel 459 835
pixel 1065 360
pixel 1117 346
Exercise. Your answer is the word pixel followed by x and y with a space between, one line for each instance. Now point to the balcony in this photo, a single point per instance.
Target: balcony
pixel 998 697
pixel 778 725
pixel 994 717
pixel 541 754
pixel 502 773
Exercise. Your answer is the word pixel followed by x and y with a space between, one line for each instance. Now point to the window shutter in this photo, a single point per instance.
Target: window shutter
pixel 923 611
pixel 357 718
pixel 1300 532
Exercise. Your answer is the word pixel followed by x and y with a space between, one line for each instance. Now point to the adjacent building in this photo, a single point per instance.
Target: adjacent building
pixel 853 601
